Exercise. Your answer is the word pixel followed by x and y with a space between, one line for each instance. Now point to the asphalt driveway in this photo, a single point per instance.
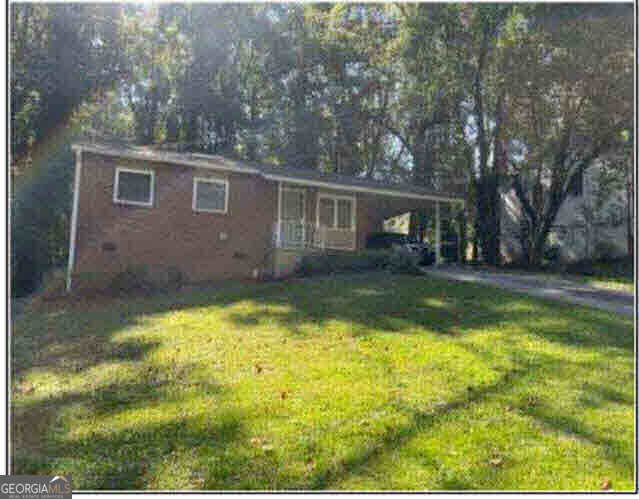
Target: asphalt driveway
pixel 558 289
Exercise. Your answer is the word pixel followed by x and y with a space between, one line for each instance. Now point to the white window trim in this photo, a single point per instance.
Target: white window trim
pixel 335 199
pixel 210 180
pixel 303 192
pixel 126 201
pixel 283 188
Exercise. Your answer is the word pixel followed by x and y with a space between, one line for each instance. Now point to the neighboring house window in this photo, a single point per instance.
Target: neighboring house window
pixel 576 187
pixel 211 195
pixel 134 187
pixel 336 212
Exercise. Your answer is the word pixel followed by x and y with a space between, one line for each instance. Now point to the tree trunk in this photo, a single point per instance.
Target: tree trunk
pixel 488 219
pixel 629 217
pixel 461 225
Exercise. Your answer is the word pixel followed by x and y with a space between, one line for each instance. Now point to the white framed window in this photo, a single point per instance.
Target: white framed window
pixel 293 204
pixel 134 187
pixel 336 212
pixel 210 195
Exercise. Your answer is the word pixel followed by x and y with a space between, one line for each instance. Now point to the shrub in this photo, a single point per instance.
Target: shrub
pixel 90 282
pixel 165 278
pixel 54 284
pixel 327 263
pixel 404 262
pixel 40 214
pixel 606 251
pixel 135 278
pixel 552 254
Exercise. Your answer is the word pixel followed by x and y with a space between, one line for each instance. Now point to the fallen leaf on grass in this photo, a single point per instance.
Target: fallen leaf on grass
pixel 283 395
pixel 497 461
pixel 25 388
pixel 606 484
pixel 258 369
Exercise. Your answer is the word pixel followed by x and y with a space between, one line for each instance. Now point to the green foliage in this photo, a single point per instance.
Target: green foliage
pixel 57 63
pixel 53 283
pixel 134 279
pixel 605 251
pixel 404 262
pixel 335 262
pixel 144 279
pixel 40 217
pixel 552 254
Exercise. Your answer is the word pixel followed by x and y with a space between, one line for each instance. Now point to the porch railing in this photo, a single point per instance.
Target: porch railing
pixel 289 234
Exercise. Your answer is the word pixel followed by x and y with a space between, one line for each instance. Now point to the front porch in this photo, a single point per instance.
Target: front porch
pixel 311 219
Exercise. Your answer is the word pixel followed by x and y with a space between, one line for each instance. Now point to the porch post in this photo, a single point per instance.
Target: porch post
pixel 278 222
pixel 438 241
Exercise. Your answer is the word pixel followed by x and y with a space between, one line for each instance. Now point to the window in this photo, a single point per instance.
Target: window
pixel 210 195
pixel 326 212
pixel 344 216
pixel 134 187
pixel 336 212
pixel 293 204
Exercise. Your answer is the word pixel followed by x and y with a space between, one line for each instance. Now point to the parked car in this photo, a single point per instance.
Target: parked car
pixel 390 240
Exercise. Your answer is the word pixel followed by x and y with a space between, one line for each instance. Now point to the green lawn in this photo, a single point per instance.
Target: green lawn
pixel 613 275
pixel 374 382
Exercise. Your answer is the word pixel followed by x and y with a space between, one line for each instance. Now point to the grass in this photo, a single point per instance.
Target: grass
pixel 614 275
pixel 358 383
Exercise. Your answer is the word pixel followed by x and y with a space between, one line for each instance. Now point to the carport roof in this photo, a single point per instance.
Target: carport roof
pixel 299 176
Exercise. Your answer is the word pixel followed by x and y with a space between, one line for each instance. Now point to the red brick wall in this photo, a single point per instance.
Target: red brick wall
pixel 170 233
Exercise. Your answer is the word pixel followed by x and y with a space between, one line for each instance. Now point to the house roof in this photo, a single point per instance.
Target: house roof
pixel 287 174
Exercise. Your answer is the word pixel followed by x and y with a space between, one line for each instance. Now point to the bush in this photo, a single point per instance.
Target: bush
pixel 134 279
pixel 166 278
pixel 54 284
pixel 40 214
pixel 606 251
pixel 327 263
pixel 552 254
pixel 404 262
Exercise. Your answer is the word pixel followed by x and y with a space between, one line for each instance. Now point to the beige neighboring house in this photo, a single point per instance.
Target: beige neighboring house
pixel 212 218
pixel 580 229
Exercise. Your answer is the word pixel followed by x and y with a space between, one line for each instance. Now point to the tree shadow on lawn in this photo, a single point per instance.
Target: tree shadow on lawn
pixel 450 309
pixel 509 384
pixel 83 339
pixel 115 459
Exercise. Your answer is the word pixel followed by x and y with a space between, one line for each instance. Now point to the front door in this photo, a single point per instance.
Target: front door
pixel 293 218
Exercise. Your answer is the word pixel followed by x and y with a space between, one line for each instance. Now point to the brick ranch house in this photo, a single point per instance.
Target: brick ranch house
pixel 213 218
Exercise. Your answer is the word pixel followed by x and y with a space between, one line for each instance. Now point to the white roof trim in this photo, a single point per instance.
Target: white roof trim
pixel 160 159
pixel 355 188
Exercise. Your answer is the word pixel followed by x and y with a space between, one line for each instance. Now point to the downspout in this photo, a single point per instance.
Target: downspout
pixel 74 216
pixel 438 240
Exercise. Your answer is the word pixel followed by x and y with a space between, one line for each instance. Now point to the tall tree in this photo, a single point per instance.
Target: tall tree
pixel 570 103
